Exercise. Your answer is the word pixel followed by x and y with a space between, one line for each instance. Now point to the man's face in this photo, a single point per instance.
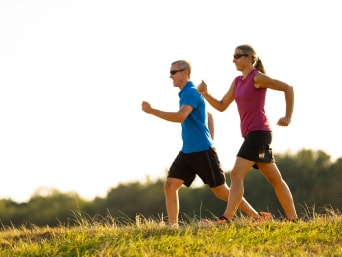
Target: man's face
pixel 178 75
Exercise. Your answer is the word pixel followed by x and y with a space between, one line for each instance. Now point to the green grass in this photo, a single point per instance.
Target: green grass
pixel 319 235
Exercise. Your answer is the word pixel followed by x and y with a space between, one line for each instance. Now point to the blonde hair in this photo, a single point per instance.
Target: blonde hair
pixel 257 63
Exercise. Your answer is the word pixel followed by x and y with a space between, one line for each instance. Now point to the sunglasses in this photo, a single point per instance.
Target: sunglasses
pixel 238 56
pixel 173 72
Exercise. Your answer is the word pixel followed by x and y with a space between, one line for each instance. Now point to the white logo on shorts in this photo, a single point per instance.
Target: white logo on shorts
pixel 261 155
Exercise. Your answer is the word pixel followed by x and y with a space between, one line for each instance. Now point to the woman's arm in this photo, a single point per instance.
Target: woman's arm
pixel 211 125
pixel 263 81
pixel 222 105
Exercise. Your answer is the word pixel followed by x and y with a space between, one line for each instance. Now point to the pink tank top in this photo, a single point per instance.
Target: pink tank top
pixel 250 103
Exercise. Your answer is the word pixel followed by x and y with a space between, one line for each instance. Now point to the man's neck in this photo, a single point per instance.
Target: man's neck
pixel 183 85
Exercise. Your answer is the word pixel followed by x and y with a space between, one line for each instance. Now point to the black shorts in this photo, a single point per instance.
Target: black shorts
pixel 256 147
pixel 205 164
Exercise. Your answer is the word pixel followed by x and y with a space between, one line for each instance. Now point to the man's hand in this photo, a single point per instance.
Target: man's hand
pixel 146 107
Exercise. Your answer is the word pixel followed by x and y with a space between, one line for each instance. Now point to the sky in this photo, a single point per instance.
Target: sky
pixel 73 74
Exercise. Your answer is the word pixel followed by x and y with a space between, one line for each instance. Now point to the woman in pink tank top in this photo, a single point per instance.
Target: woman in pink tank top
pixel 249 93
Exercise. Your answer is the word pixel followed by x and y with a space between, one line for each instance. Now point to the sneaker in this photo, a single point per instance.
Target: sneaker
pixel 217 221
pixel 173 226
pixel 264 216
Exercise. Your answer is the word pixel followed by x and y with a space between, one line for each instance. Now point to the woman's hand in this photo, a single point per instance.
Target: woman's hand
pixel 202 88
pixel 284 121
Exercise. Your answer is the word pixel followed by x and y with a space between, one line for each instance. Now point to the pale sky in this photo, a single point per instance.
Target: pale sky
pixel 73 75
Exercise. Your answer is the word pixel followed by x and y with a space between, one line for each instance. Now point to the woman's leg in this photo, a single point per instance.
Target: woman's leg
pixel 237 175
pixel 222 192
pixel 272 174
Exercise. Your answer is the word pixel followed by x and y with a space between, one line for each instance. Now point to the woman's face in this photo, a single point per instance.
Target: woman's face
pixel 241 59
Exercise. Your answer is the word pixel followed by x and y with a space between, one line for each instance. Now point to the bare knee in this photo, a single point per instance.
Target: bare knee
pixel 172 185
pixel 274 178
pixel 221 192
pixel 168 186
pixel 277 182
pixel 271 173
pixel 240 170
pixel 236 176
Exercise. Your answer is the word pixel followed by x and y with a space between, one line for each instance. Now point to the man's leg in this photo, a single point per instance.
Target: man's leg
pixel 171 187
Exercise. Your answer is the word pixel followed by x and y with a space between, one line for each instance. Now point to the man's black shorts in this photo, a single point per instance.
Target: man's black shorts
pixel 205 164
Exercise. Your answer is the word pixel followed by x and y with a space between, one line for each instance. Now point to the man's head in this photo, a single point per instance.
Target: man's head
pixel 180 73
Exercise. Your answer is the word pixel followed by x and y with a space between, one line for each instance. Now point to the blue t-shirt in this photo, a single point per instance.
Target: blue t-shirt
pixel 195 132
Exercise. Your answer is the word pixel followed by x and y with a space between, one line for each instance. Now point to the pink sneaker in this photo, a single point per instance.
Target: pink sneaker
pixel 264 216
pixel 217 221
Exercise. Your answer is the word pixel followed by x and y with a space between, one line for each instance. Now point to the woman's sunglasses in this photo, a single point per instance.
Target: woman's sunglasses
pixel 238 56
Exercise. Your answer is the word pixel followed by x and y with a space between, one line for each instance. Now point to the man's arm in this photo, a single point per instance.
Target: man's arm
pixel 179 116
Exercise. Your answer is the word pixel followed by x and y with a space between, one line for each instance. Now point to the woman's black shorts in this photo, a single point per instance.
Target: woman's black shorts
pixel 256 147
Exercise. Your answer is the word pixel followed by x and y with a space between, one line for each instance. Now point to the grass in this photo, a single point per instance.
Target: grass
pixel 319 235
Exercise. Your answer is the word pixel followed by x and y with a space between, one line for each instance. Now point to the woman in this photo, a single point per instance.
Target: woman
pixel 249 92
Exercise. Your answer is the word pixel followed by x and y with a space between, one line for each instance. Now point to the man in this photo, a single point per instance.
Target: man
pixel 197 156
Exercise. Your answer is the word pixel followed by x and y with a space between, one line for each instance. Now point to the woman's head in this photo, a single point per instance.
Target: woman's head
pixel 256 62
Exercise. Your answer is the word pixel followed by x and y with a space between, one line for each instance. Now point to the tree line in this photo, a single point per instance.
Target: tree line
pixel 314 180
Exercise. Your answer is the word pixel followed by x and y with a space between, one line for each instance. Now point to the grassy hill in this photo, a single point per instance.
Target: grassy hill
pixel 319 235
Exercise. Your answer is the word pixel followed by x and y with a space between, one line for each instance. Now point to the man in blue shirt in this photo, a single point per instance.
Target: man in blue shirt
pixel 197 156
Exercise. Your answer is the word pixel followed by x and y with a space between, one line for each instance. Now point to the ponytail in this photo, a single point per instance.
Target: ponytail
pixel 259 66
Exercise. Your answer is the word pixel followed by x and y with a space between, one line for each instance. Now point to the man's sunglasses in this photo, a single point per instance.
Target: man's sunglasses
pixel 238 56
pixel 173 72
